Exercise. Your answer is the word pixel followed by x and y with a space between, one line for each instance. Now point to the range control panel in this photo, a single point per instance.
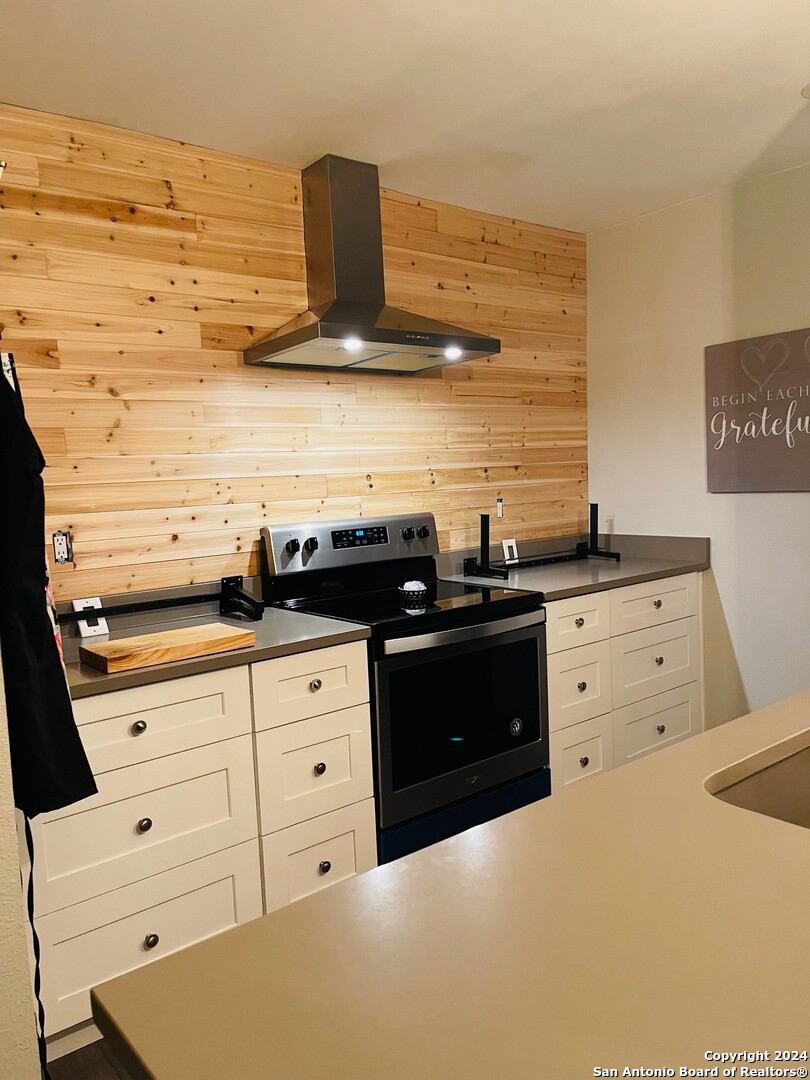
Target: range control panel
pixel 344 538
pixel 327 545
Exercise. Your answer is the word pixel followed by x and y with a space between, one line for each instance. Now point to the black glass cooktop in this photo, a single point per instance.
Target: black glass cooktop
pixel 370 595
pixel 388 605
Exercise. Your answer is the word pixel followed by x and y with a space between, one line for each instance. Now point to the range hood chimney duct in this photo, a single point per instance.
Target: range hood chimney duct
pixel 348 323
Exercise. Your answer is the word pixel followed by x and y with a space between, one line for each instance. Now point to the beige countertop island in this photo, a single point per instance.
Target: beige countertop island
pixel 631 921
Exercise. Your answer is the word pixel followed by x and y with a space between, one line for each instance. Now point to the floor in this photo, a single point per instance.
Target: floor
pixel 89 1063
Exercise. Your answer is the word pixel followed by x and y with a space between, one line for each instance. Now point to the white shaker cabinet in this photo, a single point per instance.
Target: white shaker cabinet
pixel 624 674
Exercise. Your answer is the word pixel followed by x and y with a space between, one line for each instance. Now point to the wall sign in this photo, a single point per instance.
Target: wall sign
pixel 758 413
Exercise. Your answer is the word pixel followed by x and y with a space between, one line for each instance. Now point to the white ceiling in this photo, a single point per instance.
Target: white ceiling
pixel 575 113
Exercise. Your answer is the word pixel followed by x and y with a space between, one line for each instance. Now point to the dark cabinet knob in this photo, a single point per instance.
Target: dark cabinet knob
pixel 315 686
pixel 657 603
pixel 579 623
pixel 311 544
pixel 661 729
pixel 151 941
pixel 144 825
pixel 408 533
pixel 659 660
pixel 582 687
pixel 423 532
pixel 584 762
pixel 320 768
pixel 324 867
pixel 138 728
pixel 292 546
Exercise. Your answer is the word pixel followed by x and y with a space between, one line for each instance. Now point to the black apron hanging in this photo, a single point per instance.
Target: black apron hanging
pixel 48 763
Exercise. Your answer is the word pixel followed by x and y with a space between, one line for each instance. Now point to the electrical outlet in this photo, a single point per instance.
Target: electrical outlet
pixel 93 625
pixel 499 507
pixel 62 547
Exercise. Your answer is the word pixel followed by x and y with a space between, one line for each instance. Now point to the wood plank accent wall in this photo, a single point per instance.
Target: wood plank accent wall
pixel 133 269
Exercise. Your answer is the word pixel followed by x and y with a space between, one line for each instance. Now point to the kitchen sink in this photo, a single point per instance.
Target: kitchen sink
pixel 775 782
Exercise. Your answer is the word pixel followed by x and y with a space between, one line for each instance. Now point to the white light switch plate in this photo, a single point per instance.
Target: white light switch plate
pixel 510 551
pixel 90 631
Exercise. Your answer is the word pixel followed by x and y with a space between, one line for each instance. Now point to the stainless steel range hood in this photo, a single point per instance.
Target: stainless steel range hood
pixel 348 323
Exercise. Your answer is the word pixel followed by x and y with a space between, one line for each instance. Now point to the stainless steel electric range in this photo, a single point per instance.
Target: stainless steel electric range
pixel 457 671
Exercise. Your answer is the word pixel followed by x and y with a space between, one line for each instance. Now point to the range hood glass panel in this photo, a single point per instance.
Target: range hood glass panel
pixel 321 352
pixel 402 360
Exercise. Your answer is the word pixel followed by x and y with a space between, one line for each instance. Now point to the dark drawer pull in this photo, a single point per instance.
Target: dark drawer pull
pixel 138 728
pixel 661 728
pixel 150 941
pixel 320 768
pixel 144 825
pixel 584 762
pixel 324 867
pixel 659 660
pixel 579 623
pixel 315 686
pixel 582 687
pixel 657 603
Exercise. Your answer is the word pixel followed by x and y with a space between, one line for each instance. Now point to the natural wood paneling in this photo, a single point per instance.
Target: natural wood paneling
pixel 134 269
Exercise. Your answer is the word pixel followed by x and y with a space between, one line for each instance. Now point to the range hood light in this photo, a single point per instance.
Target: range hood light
pixel 352 344
pixel 452 352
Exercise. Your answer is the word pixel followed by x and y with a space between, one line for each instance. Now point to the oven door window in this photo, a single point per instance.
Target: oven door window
pixel 448 710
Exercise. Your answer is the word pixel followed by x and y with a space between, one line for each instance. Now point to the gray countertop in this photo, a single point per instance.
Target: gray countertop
pixel 277 634
pixel 560 580
pixel 282 632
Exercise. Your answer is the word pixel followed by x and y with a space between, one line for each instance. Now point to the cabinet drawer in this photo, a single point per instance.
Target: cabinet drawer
pixel 578 684
pixel 309 684
pixel 648 725
pixel 104 937
pixel 313 766
pixel 145 819
pixel 653 602
pixel 648 662
pixel 579 620
pixel 148 722
pixel 318 853
pixel 582 750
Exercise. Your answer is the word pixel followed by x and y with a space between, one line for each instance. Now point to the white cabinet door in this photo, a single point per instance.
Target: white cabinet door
pixel 582 750
pixel 579 620
pixel 648 725
pixel 313 766
pixel 309 684
pixel 109 935
pixel 651 661
pixel 146 819
pixel 318 853
pixel 651 603
pixel 147 722
pixel 579 684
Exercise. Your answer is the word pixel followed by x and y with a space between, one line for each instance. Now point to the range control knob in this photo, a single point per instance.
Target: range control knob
pixel 423 532
pixel 292 546
pixel 311 544
pixel 408 534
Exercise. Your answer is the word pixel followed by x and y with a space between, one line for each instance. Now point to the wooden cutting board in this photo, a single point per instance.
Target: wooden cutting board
pixel 165 646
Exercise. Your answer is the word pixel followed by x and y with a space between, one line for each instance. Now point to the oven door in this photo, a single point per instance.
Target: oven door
pixel 458 712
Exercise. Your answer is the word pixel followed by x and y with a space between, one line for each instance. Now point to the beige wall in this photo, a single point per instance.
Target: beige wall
pixel 18 1054
pixel 662 287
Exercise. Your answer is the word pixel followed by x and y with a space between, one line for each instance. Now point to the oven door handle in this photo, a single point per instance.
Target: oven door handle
pixel 463 633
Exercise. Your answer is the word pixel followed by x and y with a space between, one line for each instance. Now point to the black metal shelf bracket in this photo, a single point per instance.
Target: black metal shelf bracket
pixel 232 600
